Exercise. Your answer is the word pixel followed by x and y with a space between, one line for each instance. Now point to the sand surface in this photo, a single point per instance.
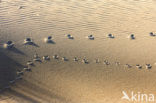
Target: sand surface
pixel 58 81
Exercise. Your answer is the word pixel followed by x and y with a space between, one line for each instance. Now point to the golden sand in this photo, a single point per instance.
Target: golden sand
pixel 59 81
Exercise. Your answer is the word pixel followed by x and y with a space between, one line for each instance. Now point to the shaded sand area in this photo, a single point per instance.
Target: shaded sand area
pixel 58 81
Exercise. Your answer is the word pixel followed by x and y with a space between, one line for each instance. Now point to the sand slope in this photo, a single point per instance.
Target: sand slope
pixel 58 81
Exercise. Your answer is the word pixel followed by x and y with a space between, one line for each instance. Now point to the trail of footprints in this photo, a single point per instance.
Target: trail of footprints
pixel 28 41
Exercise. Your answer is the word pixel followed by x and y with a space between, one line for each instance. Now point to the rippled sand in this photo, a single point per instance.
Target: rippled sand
pixel 58 81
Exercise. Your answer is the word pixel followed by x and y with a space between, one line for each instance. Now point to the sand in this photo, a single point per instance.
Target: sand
pixel 58 81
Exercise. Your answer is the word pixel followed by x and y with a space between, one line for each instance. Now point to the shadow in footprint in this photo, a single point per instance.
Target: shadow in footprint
pixel 51 42
pixel 32 43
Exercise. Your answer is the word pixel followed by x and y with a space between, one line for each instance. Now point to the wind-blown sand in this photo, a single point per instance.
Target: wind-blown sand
pixel 58 81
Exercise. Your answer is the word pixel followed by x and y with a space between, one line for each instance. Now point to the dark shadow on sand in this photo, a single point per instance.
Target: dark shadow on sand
pixel 34 90
pixel 51 42
pixel 15 50
pixel 72 38
pixel 20 95
pixel 32 43
pixel 8 68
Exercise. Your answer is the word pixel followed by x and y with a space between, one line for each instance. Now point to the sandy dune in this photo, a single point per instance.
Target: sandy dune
pixel 58 81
